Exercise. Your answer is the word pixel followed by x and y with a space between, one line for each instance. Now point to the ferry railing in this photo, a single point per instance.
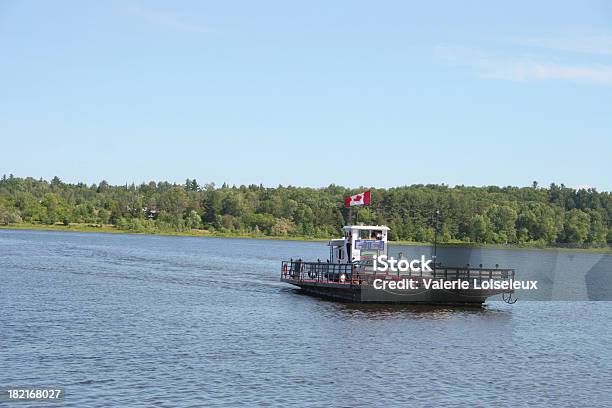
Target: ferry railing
pixel 321 272
pixel 443 273
pixel 359 274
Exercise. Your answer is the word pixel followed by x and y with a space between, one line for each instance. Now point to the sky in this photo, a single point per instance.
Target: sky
pixel 353 93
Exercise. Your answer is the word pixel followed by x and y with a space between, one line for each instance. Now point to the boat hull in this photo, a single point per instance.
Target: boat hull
pixel 368 294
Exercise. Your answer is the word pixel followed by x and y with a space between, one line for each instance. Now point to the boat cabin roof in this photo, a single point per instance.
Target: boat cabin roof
pixel 366 227
pixel 336 242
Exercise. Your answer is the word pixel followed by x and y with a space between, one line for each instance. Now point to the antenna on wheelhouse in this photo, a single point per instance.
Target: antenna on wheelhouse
pixel 435 248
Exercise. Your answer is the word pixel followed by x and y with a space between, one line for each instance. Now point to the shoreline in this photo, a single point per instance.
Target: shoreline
pixel 111 229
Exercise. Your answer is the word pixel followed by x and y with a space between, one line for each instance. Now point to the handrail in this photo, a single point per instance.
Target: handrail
pixel 358 274
pixel 317 271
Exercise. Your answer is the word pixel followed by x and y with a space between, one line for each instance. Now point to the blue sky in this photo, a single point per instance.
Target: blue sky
pixel 353 93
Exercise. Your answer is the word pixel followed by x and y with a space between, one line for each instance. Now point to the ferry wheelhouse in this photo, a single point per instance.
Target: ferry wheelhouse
pixel 349 274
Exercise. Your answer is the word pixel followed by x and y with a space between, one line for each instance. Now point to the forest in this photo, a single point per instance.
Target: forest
pixel 553 215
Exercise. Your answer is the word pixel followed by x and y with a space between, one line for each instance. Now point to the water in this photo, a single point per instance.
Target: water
pixel 128 320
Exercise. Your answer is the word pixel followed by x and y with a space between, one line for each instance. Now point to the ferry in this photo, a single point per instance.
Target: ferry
pixel 351 274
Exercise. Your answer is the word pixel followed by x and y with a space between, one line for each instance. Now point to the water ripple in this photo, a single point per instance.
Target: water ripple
pixel 142 321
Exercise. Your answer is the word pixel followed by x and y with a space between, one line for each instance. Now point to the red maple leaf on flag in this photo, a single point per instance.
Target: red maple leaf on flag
pixel 358 199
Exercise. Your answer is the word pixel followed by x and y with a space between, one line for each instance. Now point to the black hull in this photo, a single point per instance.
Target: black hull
pixel 367 294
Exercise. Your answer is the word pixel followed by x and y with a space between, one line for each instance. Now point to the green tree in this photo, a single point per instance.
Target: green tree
pixel 212 207
pixel 282 227
pixel 577 226
pixel 598 230
pixel 56 210
pixel 193 220
pixel 503 218
pixel 9 216
pixel 481 229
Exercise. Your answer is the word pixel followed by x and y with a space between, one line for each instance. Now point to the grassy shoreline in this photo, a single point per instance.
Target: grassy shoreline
pixel 111 229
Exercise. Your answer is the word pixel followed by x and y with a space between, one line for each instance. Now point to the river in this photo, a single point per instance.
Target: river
pixel 137 320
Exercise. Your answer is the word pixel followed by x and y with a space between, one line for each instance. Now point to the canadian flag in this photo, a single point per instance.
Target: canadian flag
pixel 358 199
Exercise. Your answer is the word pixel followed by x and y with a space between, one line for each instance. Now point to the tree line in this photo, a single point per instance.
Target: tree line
pixel 505 215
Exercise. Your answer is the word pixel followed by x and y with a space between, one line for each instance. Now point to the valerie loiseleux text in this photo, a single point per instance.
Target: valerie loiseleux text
pixel 384 264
